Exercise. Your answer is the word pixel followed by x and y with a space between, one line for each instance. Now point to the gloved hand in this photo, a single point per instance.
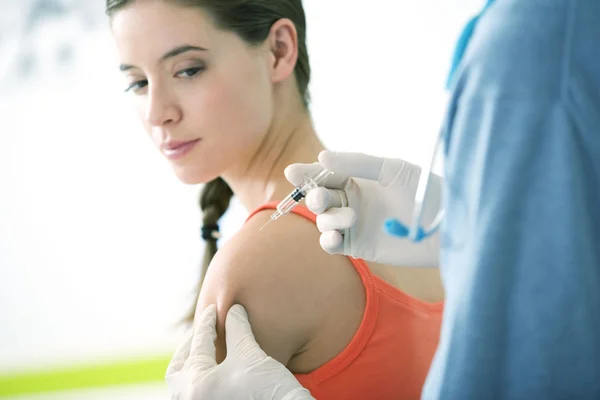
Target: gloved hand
pixel 353 204
pixel 246 373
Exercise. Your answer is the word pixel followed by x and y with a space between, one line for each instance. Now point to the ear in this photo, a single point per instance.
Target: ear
pixel 283 45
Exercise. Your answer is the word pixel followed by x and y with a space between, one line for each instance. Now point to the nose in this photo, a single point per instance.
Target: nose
pixel 162 108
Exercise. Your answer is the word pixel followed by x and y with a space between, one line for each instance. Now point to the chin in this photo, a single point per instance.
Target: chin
pixel 189 176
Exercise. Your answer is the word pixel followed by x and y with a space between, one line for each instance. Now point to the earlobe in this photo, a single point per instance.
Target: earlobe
pixel 284 49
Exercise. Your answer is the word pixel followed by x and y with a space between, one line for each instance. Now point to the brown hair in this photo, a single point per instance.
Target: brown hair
pixel 214 202
pixel 251 20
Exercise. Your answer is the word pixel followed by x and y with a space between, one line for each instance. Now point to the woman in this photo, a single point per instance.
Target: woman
pixel 222 90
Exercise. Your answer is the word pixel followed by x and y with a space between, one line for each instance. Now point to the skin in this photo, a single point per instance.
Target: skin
pixel 243 103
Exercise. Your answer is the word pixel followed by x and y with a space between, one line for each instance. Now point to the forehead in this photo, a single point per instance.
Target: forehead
pixel 152 27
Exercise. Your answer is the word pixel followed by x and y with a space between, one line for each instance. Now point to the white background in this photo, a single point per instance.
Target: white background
pixel 99 243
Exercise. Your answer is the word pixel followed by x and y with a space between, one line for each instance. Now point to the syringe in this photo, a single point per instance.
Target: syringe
pixel 296 196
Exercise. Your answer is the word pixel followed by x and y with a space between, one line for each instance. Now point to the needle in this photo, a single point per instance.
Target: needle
pixel 265 225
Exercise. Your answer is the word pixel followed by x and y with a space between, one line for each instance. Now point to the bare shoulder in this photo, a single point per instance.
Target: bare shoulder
pixel 270 261
pixel 283 279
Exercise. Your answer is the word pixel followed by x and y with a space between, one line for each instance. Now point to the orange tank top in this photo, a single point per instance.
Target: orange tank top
pixel 390 354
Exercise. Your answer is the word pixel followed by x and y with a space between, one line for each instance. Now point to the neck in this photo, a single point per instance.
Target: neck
pixel 260 179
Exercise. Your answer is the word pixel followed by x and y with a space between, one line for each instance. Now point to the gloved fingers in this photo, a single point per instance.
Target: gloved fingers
pixel 296 174
pixel 181 355
pixel 239 337
pixel 203 352
pixel 336 219
pixel 332 242
pixel 356 165
pixel 321 199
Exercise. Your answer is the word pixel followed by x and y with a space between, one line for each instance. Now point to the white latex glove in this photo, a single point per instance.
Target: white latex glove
pixel 246 373
pixel 354 202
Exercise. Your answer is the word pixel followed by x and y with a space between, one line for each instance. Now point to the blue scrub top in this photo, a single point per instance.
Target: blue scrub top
pixel 520 255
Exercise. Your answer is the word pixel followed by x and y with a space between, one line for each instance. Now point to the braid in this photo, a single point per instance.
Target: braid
pixel 214 202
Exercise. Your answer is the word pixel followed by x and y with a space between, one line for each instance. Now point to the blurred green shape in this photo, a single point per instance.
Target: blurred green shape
pixel 88 376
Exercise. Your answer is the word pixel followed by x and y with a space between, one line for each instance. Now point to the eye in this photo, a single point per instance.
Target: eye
pixel 137 85
pixel 190 72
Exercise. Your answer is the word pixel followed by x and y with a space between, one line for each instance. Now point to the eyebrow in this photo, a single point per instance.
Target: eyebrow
pixel 169 54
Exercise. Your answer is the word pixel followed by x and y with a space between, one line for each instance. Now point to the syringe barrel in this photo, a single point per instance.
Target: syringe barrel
pixel 298 194
pixel 312 182
pixel 320 176
pixel 287 204
pixel 292 200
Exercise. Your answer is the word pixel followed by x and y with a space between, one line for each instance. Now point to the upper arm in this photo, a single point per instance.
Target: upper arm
pixel 271 274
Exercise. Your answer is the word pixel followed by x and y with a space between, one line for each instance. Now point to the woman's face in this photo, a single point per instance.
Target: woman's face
pixel 203 94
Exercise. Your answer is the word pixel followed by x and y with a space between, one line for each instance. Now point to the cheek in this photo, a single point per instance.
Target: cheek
pixel 233 113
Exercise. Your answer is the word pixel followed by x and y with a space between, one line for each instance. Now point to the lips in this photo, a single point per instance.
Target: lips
pixel 174 150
